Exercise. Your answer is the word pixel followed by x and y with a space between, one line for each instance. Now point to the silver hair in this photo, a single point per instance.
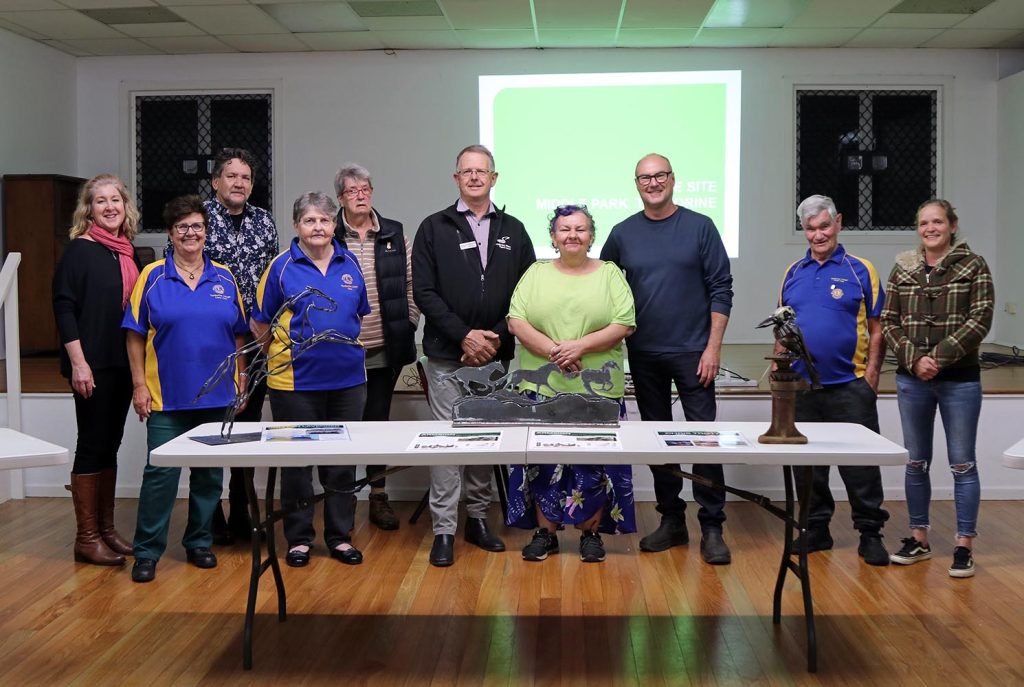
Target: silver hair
pixel 812 206
pixel 475 148
pixel 314 199
pixel 350 170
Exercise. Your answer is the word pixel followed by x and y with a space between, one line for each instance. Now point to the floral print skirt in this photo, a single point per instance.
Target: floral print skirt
pixel 571 495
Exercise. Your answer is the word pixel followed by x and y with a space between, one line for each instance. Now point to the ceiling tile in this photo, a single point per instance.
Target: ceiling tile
pixel 341 40
pixel 406 23
pixel 319 17
pixel 655 38
pixel 841 14
pixel 114 46
pixel 29 5
pixel 69 49
pixel 896 20
pixel 185 45
pixel 496 38
pixel 892 38
pixel 273 42
pixel 971 38
pixel 395 8
pixel 812 38
pixel 763 14
pixel 1015 42
pixel 658 14
pixel 488 14
pixel 173 28
pixel 419 40
pixel 106 4
pixel 735 38
pixel 170 3
pixel 20 30
pixel 61 24
pixel 239 20
pixel 582 14
pixel 577 38
pixel 1001 14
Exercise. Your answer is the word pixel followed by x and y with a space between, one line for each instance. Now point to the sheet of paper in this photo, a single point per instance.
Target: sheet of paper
pixel 456 441
pixel 312 431
pixel 681 439
pixel 553 439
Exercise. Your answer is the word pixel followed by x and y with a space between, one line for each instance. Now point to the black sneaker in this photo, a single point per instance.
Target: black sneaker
pixel 963 563
pixel 818 539
pixel 872 550
pixel 671 532
pixel 591 548
pixel 912 552
pixel 542 544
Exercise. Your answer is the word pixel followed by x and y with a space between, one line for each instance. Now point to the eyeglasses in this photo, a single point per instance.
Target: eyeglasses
pixel 646 179
pixel 469 173
pixel 310 222
pixel 184 229
pixel 356 192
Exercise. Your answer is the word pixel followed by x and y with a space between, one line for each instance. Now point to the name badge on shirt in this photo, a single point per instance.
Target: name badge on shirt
pixel 466 245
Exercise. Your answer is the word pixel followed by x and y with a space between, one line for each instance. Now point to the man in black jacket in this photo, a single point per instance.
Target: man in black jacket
pixel 466 261
pixel 388 332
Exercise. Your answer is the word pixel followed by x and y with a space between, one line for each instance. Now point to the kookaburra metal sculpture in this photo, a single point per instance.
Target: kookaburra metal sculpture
pixel 786 382
pixel 788 335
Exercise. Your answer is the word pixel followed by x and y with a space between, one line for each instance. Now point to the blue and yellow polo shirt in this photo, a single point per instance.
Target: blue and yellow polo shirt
pixel 833 303
pixel 324 366
pixel 188 333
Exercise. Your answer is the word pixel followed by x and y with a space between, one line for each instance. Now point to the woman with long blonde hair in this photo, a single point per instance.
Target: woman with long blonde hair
pixel 91 286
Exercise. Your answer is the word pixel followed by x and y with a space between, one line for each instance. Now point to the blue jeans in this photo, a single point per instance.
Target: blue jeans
pixel 959 404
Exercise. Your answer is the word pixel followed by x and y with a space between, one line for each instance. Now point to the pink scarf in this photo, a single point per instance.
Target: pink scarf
pixel 125 252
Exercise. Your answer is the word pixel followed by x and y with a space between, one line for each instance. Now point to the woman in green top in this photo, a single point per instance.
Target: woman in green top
pixel 573 312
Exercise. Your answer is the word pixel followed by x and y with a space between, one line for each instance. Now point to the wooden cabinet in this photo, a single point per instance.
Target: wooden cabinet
pixel 37 218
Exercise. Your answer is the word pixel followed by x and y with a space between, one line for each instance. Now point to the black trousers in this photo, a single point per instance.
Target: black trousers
pixel 380 387
pixel 653 376
pixel 101 419
pixel 297 483
pixel 851 402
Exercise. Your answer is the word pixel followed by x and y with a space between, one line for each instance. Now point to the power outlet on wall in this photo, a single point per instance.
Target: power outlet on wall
pixel 1010 308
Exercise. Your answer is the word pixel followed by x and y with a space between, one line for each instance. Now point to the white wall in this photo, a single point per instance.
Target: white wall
pixel 1010 287
pixel 405 115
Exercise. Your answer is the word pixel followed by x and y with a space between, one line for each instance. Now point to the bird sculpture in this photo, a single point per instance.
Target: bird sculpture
pixel 788 335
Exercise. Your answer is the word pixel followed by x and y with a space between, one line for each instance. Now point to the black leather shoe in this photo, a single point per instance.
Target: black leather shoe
pixel 297 558
pixel 713 548
pixel 201 557
pixel 476 532
pixel 818 539
pixel 351 556
pixel 671 532
pixel 872 550
pixel 442 553
pixel 144 570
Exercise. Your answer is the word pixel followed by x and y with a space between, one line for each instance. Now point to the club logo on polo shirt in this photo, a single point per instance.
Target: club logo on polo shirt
pixel 346 281
pixel 502 243
pixel 837 292
pixel 217 291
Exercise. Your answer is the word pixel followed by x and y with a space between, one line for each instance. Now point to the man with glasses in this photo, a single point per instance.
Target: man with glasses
pixel 243 237
pixel 678 270
pixel 388 332
pixel 466 262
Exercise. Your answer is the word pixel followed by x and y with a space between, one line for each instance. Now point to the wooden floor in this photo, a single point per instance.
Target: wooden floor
pixel 493 619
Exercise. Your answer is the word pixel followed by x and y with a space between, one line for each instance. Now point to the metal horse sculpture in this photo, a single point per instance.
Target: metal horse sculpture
pixel 482 377
pixel 601 377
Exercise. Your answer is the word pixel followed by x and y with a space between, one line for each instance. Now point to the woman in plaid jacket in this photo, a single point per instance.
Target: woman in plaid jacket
pixel 938 309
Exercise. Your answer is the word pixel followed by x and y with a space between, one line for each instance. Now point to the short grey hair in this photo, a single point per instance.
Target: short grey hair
pixel 350 170
pixel 812 206
pixel 318 200
pixel 475 148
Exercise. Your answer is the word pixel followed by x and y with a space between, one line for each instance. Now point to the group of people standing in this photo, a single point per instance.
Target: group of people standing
pixel 662 279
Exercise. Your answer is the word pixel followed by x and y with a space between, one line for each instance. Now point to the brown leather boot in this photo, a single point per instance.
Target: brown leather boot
pixel 117 543
pixel 89 547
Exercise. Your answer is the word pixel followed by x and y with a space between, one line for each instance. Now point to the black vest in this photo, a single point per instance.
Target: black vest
pixel 389 254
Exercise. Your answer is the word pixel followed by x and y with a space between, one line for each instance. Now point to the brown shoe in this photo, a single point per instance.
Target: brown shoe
pixel 117 543
pixel 89 546
pixel 381 513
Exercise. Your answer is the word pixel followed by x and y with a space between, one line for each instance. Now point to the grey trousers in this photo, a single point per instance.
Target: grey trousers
pixel 445 480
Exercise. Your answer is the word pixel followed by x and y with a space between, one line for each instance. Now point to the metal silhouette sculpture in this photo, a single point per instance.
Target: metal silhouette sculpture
pixel 482 377
pixel 261 365
pixel 786 382
pixel 501 405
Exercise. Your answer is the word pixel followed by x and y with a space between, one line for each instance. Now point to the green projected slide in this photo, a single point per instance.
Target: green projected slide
pixel 576 138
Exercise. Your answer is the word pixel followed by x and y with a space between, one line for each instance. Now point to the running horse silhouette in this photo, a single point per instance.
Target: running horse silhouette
pixel 602 377
pixel 480 376
pixel 538 377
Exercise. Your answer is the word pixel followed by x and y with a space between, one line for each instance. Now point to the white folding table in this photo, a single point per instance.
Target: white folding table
pixel 1013 457
pixel 379 443
pixel 19 450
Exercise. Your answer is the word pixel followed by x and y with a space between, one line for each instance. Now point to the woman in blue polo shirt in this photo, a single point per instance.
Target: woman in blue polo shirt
pixel 184 318
pixel 318 382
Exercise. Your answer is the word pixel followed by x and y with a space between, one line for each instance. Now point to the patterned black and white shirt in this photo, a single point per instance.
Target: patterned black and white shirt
pixel 246 252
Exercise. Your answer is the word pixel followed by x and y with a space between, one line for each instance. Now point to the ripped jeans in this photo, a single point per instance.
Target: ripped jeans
pixel 959 405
